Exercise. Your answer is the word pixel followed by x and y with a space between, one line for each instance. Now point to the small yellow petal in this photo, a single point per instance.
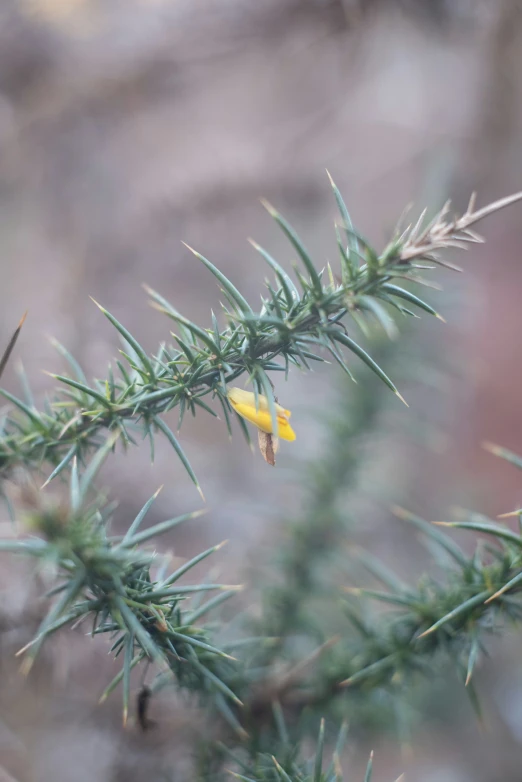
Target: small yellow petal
pixel 284 430
pixel 244 403
pixel 239 396
pixel 261 418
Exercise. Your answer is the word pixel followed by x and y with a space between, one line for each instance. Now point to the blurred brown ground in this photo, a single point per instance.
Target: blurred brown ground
pixel 126 127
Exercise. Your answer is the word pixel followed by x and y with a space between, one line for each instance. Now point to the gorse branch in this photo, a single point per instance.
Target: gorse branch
pixel 450 617
pixel 296 325
pixel 438 617
pixel 109 580
pixel 113 580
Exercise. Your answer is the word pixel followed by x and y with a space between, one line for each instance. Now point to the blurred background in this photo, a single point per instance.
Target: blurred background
pixel 127 126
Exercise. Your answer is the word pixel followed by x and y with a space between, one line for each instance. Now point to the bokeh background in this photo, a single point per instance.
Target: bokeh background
pixel 127 126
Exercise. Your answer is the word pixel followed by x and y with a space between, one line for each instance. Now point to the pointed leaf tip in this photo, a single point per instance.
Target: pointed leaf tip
pixel 401 398
pixel 192 250
pixel 509 585
pixel 97 304
pixel 12 342
pixel 491 447
pixel 228 287
pixel 268 206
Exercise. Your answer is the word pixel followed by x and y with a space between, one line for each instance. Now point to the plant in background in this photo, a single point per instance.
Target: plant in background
pixel 122 588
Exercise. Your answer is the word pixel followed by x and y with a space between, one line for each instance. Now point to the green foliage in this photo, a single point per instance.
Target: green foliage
pixel 108 580
pixel 451 616
pixel 286 765
pixel 258 694
pixel 293 327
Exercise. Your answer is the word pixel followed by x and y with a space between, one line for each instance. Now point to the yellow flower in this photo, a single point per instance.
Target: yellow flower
pixel 244 403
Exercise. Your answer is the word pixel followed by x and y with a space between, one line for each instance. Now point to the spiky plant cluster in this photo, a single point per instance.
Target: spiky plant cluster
pixel 448 616
pixel 442 622
pixel 113 581
pixel 120 589
pixel 285 764
pixel 296 325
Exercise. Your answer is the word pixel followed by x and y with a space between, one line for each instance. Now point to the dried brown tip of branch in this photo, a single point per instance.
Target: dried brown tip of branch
pixel 441 234
pixel 473 217
pixel 416 228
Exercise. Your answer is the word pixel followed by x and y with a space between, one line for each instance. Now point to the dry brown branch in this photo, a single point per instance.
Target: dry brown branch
pixel 440 234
